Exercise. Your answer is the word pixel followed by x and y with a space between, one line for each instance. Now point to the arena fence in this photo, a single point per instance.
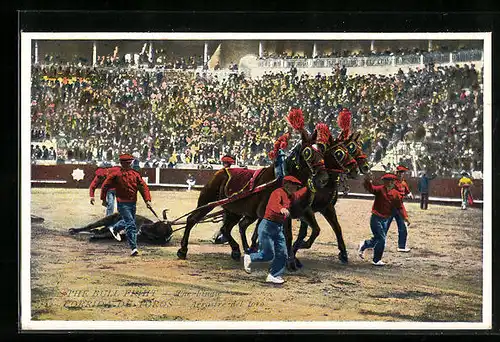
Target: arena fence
pixel 157 178
pixel 395 60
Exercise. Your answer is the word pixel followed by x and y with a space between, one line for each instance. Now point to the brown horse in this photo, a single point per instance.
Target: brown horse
pixel 311 166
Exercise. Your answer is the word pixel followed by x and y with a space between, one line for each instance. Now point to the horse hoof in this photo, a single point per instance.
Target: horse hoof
pixel 236 255
pixel 298 263
pixel 343 258
pixel 181 254
pixel 220 240
pixel 72 231
pixel 291 266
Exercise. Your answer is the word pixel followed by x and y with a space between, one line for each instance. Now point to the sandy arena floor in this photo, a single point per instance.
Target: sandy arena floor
pixel 73 279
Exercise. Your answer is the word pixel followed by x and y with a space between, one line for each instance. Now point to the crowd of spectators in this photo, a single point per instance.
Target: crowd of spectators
pixel 187 117
pixel 159 58
pixel 169 61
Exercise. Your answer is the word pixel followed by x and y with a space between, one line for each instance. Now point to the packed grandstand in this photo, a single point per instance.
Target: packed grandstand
pixel 430 114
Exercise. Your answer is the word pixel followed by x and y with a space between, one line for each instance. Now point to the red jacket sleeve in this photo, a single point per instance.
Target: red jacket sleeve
pixel 397 201
pixel 299 194
pixel 143 188
pixel 373 189
pixel 275 203
pixel 94 185
pixel 100 176
pixel 108 184
pixel 406 188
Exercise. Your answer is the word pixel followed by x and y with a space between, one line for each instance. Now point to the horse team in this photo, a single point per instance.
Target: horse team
pixel 318 160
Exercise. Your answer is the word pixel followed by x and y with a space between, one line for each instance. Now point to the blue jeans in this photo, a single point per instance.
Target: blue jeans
pixel 379 227
pixel 271 247
pixel 127 212
pixel 279 168
pixel 402 232
pixel 110 198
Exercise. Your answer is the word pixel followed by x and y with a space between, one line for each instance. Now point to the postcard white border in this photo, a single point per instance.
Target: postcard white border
pixel 28 324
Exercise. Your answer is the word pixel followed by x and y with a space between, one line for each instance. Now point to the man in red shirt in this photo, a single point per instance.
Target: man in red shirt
pixel 227 161
pixel 402 186
pixel 387 198
pixel 100 176
pixel 272 244
pixel 127 182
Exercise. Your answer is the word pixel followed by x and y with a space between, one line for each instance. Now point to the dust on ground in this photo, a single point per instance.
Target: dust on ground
pixel 74 279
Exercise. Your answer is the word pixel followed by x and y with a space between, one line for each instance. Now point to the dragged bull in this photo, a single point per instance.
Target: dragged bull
pixel 158 232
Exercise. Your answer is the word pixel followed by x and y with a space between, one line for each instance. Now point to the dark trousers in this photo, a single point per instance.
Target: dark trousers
pixel 402 232
pixel 127 211
pixel 272 246
pixel 424 200
pixel 379 228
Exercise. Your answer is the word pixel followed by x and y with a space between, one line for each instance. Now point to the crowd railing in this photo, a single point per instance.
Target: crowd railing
pixel 371 61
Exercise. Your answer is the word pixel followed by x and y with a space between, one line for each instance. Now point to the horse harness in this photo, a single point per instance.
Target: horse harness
pixel 306 154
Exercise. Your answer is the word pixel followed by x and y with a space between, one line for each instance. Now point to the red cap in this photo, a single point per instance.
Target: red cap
pixel 401 168
pixel 126 157
pixel 389 176
pixel 228 159
pixel 292 179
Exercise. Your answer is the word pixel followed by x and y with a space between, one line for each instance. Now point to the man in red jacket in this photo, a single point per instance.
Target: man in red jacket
pixel 227 161
pixel 387 198
pixel 402 186
pixel 271 239
pixel 127 182
pixel 100 176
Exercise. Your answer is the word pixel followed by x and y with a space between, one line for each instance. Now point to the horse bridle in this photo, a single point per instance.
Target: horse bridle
pixel 343 168
pixel 307 154
pixel 358 146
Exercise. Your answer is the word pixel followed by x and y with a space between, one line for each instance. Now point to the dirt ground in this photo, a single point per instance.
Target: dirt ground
pixel 74 279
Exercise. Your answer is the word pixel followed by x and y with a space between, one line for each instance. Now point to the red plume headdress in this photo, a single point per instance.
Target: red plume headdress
pixel 296 119
pixel 281 143
pixel 323 135
pixel 344 122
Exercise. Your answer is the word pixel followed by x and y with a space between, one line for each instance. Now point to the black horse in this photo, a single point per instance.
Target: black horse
pixel 326 206
pixel 337 160
pixel 325 199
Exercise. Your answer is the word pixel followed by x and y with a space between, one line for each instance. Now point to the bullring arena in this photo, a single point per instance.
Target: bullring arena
pixel 178 107
pixel 440 280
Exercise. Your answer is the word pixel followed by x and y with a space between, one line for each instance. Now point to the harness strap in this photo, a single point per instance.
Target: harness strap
pixel 334 170
pixel 227 200
pixel 312 188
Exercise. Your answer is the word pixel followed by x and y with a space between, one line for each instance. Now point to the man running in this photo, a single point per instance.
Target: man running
pixel 127 182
